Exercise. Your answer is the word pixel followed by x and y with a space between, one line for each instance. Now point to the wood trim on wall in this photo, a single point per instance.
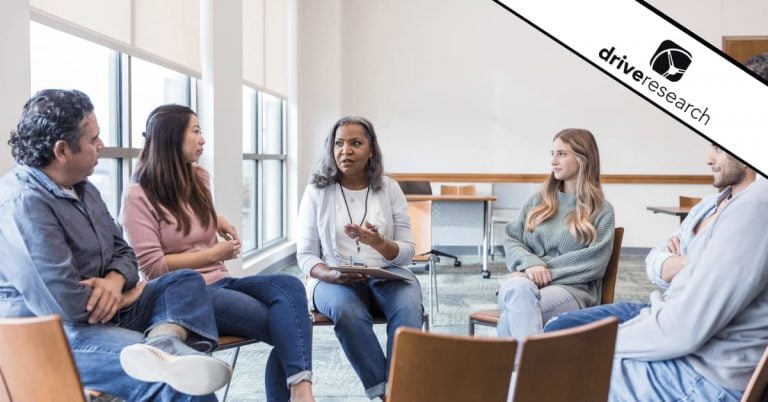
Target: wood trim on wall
pixel 741 48
pixel 539 178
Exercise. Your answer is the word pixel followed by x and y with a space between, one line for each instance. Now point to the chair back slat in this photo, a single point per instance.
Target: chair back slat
pixel 612 269
pixel 449 368
pixel 420 213
pixel 469 189
pixel 36 361
pixel 758 384
pixel 573 363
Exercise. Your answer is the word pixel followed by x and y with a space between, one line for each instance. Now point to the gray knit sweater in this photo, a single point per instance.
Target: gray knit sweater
pixel 576 267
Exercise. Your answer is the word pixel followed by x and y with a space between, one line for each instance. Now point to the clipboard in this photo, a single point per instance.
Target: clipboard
pixel 376 272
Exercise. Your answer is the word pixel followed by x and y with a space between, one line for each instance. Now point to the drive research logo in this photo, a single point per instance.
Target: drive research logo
pixel 671 60
pixel 671 68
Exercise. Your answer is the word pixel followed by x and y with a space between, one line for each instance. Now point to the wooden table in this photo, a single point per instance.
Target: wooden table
pixel 485 199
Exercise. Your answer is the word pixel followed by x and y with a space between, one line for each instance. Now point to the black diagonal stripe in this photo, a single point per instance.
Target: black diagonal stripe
pixel 647 99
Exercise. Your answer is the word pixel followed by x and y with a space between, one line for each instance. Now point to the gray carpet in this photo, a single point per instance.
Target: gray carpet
pixel 461 291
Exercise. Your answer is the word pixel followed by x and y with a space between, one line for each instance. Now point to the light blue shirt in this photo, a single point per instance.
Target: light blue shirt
pixel 659 254
pixel 715 312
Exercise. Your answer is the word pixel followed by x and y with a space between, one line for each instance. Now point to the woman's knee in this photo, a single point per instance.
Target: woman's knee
pixel 293 285
pixel 182 277
pixel 516 288
pixel 410 316
pixel 348 314
pixel 352 313
pixel 286 283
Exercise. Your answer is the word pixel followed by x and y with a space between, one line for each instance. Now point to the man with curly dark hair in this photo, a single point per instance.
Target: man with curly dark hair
pixel 63 254
pixel 33 140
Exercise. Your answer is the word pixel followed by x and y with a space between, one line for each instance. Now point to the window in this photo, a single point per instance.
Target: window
pixel 152 86
pixel 264 158
pixel 60 60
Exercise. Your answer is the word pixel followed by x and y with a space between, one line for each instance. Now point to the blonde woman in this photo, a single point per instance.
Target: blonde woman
pixel 558 247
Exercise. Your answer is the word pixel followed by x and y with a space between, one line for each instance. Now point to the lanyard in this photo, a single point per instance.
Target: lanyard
pixel 367 191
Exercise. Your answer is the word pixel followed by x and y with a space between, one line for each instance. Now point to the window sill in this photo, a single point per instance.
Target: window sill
pixel 262 259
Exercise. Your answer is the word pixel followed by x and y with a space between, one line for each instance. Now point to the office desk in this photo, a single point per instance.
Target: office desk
pixel 682 212
pixel 486 200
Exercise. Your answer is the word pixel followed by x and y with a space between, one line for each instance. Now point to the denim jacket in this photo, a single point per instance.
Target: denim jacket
pixel 50 241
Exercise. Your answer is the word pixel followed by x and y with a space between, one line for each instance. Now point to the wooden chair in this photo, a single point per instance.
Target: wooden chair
pixel 449 368
pixel 36 362
pixel 469 189
pixel 572 364
pixel 758 384
pixel 608 288
pixel 420 213
pixel 425 224
pixel 227 342
pixel 490 318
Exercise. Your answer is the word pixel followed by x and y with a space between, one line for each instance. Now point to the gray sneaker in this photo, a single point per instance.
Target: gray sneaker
pixel 172 345
pixel 167 359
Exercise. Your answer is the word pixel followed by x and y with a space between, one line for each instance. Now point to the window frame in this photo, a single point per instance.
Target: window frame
pixel 124 152
pixel 258 155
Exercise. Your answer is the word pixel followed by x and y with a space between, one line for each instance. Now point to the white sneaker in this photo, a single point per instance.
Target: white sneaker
pixel 194 374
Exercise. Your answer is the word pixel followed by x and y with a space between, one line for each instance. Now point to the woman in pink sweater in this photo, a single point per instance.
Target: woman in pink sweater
pixel 169 218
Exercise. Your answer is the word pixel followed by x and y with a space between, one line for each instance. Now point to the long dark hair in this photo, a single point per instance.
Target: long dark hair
pixel 327 173
pixel 166 177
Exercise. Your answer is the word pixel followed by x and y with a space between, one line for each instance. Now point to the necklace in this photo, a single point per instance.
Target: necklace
pixel 365 211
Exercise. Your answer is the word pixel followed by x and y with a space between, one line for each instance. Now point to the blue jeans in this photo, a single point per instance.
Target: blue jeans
pixel 178 297
pixel 525 308
pixel 623 311
pixel 350 307
pixel 272 309
pixel 666 380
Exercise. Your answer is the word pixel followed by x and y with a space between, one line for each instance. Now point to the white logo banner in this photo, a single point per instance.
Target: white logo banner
pixel 657 59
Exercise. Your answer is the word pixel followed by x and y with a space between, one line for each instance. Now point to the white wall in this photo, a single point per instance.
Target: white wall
pixel 14 71
pixel 320 73
pixel 465 86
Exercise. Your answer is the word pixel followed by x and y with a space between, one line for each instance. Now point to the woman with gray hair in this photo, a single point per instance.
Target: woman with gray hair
pixel 352 214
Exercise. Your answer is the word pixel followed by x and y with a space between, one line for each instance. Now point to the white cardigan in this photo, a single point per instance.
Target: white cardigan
pixel 316 228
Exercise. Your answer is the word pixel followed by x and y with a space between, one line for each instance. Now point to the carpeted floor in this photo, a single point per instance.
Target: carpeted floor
pixel 461 291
